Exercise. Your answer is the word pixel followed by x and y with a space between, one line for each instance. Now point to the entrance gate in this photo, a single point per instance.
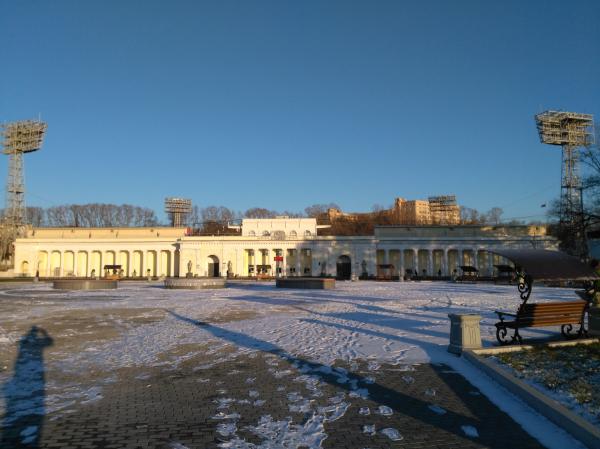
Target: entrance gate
pixel 344 268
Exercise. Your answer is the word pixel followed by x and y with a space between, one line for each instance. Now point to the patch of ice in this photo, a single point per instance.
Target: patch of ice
pixel 226 429
pixel 392 434
pixel 437 409
pixel 294 396
pixel 369 380
pixel 408 379
pixel 259 402
pixel 223 415
pixel 28 431
pixel 334 412
pixel 250 380
pixel 470 431
pixel 223 402
pixel 430 392
pixel 176 445
pixel 281 374
pixel 303 406
pixel 362 393
pixel 373 366
pixel 282 434
pixel 281 388
pixel 364 411
pixel 253 393
pixel 384 410
pixel 369 429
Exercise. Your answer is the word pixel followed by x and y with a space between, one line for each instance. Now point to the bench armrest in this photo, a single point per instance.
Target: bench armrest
pixel 501 314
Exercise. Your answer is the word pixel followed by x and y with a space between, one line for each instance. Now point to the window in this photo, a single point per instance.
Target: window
pixel 265 234
pixel 307 233
pixel 293 234
pixel 252 234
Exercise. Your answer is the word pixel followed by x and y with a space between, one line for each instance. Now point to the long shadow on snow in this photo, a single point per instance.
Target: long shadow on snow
pixel 396 400
pixel 25 392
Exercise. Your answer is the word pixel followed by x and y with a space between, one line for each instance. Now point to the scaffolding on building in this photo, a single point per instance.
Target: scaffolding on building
pixel 444 209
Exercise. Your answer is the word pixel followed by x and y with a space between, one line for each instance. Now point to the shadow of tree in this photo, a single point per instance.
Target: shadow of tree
pixel 25 392
pixel 410 406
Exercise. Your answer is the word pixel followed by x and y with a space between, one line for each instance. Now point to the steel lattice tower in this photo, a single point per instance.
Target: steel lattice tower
pixel 571 131
pixel 177 209
pixel 19 138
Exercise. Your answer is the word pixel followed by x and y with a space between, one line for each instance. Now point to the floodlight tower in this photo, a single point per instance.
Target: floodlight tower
pixel 177 209
pixel 570 130
pixel 18 138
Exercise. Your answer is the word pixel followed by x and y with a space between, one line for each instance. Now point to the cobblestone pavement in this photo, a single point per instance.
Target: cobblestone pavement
pixel 429 405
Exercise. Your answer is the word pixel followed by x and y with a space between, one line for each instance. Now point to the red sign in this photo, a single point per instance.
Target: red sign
pixel 278 259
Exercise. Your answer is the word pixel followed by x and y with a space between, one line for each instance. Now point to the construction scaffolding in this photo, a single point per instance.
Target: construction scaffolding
pixel 444 210
pixel 177 209
pixel 570 130
pixel 19 138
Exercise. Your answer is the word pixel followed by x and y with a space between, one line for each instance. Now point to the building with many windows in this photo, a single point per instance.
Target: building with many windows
pixel 280 246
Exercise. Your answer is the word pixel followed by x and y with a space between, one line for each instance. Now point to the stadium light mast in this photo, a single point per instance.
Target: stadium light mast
pixel 570 130
pixel 19 138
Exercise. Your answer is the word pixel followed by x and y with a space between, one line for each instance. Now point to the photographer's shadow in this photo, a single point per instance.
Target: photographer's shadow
pixel 25 392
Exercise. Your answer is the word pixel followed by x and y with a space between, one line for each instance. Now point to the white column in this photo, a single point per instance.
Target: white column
pixel 430 262
pixel 401 265
pixel 416 261
pixel 299 269
pixel 158 262
pixel 445 263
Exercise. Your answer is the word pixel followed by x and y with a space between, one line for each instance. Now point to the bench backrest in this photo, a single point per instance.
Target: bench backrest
pixel 542 314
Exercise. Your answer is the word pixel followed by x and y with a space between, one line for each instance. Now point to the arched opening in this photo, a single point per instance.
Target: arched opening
pixel 42 265
pixel 82 263
pixel 55 264
pixel 344 268
pixel 25 268
pixel 165 263
pixel 69 263
pixel 213 267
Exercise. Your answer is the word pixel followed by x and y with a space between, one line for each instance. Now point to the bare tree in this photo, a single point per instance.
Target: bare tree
pixel 260 212
pixel 318 209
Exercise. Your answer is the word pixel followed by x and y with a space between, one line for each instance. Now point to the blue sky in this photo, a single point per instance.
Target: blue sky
pixel 284 104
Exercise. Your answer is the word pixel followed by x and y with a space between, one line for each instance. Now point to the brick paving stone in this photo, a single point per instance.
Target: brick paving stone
pixel 173 406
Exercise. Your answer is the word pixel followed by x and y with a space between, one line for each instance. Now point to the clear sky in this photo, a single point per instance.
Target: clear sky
pixel 283 104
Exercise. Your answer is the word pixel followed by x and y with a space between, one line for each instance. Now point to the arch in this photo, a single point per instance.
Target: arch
pixel 96 264
pixel 212 267
pixel 42 263
pixel 293 234
pixel 137 264
pixel 151 264
pixel 266 233
pixel 165 263
pixel 344 268
pixel 69 263
pixel 25 268
pixel 55 264
pixel 124 262
pixel 307 233
pixel 82 263
pixel 252 234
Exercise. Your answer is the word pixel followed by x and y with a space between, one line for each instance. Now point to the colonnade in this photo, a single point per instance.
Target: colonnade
pixel 438 261
pixel 291 261
pixel 84 263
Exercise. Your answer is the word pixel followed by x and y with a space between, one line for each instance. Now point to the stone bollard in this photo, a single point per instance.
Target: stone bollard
pixel 594 321
pixel 464 332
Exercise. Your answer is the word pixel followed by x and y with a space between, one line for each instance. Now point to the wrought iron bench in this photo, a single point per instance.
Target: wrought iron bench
pixel 564 314
pixel 547 266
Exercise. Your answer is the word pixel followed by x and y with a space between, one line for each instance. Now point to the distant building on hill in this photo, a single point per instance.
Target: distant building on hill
pixel 436 210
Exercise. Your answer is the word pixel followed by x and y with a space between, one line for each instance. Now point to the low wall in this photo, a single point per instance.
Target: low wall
pixel 306 283
pixel 195 283
pixel 84 284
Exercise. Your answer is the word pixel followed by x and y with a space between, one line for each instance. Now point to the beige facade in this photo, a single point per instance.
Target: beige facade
pixel 160 251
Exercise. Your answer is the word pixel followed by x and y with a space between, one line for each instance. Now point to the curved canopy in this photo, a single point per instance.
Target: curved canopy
pixel 544 265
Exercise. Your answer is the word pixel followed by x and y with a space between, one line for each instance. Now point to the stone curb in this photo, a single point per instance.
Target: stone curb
pixel 555 412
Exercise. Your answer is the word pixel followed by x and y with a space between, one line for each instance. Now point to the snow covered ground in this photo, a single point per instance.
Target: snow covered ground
pixel 397 323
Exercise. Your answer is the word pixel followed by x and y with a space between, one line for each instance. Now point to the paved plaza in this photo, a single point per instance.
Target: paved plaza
pixel 246 367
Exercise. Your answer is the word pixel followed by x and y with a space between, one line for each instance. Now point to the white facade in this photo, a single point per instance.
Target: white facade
pixel 269 247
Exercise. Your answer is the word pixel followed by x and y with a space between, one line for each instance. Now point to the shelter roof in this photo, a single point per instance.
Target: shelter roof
pixel 544 265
